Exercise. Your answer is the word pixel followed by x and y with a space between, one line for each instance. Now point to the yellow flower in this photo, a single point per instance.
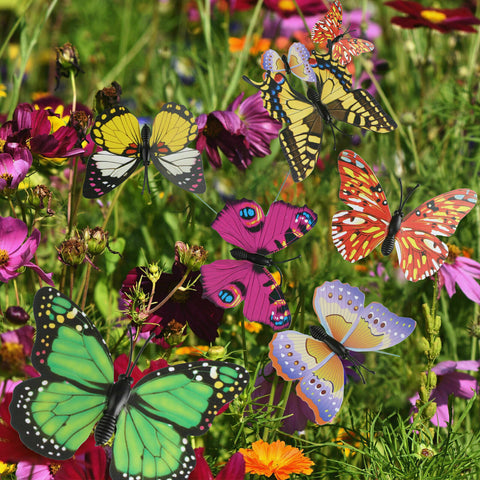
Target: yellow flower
pixel 275 459
pixel 6 468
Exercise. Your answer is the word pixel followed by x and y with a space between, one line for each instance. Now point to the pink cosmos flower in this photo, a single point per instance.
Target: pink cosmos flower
pixel 450 382
pixel 15 347
pixel 233 470
pixel 40 132
pixel 16 250
pixel 462 271
pixel 243 131
pixel 15 161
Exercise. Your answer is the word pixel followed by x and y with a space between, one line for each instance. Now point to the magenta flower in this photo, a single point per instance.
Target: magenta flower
pixel 460 270
pixel 16 250
pixel 41 132
pixel 15 347
pixel 241 132
pixel 233 470
pixel 442 19
pixel 450 382
pixel 15 161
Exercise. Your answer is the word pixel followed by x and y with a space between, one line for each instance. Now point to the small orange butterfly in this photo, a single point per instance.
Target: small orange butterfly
pixel 328 34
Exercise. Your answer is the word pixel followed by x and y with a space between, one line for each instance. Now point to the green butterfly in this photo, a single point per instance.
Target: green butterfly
pixel 55 413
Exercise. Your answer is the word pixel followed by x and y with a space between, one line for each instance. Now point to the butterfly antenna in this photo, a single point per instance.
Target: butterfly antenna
pixel 357 366
pixel 205 203
pixel 147 341
pixel 409 194
pixel 275 264
pixel 283 184
pixel 130 354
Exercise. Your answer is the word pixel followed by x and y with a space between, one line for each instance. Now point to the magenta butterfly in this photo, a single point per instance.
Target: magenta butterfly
pixel 357 232
pixel 297 62
pixel 316 360
pixel 328 34
pixel 229 282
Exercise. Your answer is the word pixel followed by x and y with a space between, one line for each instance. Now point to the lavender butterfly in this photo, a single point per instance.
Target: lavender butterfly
pixel 316 361
pixel 228 282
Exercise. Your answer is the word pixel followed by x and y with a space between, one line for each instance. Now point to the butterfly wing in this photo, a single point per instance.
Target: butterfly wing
pixel 302 136
pixel 420 252
pixel 344 49
pixel 55 413
pixel 321 374
pixel 117 132
pixel 163 409
pixel 105 171
pixel 341 311
pixel 173 129
pixel 243 223
pixel 298 61
pixel 329 27
pixel 229 282
pixel 355 107
pixel 357 232
pixel 272 62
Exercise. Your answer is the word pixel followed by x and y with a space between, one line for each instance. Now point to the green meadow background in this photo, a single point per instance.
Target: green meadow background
pixel 430 86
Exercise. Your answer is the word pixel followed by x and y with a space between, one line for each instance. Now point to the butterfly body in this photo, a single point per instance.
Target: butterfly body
pixel 125 148
pixel 55 413
pixel 229 282
pixel 346 325
pixel 357 232
pixel 305 117
pixel 255 258
pixel 117 399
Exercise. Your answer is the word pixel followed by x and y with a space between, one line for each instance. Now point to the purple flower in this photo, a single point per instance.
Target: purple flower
pixel 460 270
pixel 16 250
pixel 450 382
pixel 15 161
pixel 185 306
pixel 298 410
pixel 42 132
pixel 241 132
pixel 15 347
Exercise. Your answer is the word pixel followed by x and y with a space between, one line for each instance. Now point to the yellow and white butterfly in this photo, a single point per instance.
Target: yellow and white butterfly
pixel 125 148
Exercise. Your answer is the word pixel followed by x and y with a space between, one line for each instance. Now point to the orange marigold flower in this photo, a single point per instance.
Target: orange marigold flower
pixel 275 459
pixel 259 44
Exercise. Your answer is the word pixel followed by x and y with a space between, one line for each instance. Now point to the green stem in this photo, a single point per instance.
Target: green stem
pixel 74 91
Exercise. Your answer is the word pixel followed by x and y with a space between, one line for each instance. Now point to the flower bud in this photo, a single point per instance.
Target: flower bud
pixel 437 347
pixel 67 60
pixel 154 272
pixel 192 257
pixel 173 333
pixel 424 394
pixel 17 315
pixel 72 252
pixel 96 240
pixel 37 196
pixel 216 352
pixel 107 97
pixel 424 344
pixel 430 410
pixel 432 379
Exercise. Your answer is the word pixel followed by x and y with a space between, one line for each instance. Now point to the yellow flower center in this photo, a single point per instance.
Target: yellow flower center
pixel 12 355
pixel 286 5
pixel 433 16
pixel 6 176
pixel 453 253
pixel 54 468
pixel 2 144
pixel 3 257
